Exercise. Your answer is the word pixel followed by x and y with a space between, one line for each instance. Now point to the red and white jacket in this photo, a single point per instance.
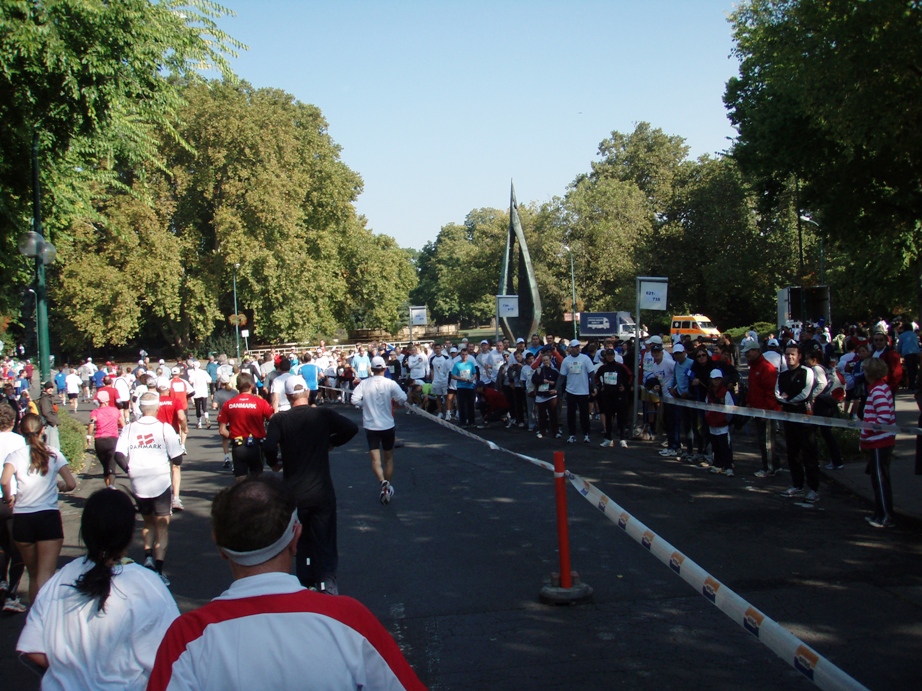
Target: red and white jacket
pixel 268 632
pixel 880 410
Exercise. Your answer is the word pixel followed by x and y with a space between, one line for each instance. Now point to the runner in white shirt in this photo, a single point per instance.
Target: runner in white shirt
pixel 200 381
pixel 376 396
pixel 72 385
pixel 149 448
pixel 280 401
pixel 577 368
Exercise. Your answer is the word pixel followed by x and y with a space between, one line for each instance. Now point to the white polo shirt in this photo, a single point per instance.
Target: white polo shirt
pixel 34 491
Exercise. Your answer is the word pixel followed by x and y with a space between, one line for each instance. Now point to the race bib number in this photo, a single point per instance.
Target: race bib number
pixel 544 387
pixel 610 378
pixel 576 367
pixel 465 375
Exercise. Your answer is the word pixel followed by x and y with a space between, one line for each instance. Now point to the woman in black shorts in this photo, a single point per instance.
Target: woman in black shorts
pixel 37 529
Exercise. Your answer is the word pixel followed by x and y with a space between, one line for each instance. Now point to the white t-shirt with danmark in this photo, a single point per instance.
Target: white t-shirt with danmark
pixel 149 444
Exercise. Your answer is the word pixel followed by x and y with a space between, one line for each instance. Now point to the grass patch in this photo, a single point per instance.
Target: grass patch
pixel 73 439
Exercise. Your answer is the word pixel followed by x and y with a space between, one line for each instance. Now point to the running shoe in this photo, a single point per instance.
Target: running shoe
pixel 149 563
pixel 876 522
pixel 571 439
pixel 559 435
pixel 812 497
pixel 666 453
pixel 793 492
pixel 166 581
pixel 623 444
pixel 729 472
pixel 385 495
pixel 586 439
pixel 177 504
pixel 227 463
pixel 607 444
pixel 833 466
pixel 14 604
pixel 763 473
pixel 539 435
pixel 716 470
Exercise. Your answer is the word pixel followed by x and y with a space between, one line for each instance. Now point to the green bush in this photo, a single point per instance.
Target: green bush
pixel 848 444
pixel 73 439
pixel 761 328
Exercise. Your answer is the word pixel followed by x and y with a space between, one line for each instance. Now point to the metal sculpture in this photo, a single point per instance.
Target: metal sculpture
pixel 526 287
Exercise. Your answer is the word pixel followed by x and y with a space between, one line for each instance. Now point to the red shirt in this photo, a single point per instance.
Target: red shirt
pixel 113 394
pixel 244 415
pixel 168 413
pixel 180 390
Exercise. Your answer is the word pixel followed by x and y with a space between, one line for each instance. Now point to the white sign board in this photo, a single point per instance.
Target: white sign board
pixel 245 333
pixel 507 306
pixel 653 295
pixel 418 316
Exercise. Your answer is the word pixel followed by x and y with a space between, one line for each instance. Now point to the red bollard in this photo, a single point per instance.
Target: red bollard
pixel 563 535
pixel 565 588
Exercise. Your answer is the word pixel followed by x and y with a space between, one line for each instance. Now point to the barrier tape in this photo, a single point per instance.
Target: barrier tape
pixel 779 640
pixel 817 420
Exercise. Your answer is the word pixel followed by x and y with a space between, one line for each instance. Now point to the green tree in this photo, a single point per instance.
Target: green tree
pixel 828 101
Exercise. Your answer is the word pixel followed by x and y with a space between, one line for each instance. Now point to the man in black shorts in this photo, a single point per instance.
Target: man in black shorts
pixel 305 436
pixel 148 449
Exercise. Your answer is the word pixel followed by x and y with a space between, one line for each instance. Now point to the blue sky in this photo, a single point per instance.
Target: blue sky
pixel 438 105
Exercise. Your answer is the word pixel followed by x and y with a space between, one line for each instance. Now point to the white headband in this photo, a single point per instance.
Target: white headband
pixel 264 554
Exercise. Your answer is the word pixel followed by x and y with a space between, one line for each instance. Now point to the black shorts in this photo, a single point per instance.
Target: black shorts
pixel 72 396
pixel 122 405
pixel 35 527
pixel 158 506
pixel 381 439
pixel 248 460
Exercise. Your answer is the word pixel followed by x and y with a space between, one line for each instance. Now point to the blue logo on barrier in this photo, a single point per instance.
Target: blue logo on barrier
pixel 752 621
pixel 647 539
pixel 710 588
pixel 675 562
pixel 805 661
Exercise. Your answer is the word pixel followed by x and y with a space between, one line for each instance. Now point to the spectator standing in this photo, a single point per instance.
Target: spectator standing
pixel 879 445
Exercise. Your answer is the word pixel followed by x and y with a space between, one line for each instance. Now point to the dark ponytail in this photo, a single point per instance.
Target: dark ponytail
pixel 107 528
pixel 31 428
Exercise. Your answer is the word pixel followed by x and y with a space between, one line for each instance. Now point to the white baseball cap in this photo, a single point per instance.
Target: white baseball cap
pixel 678 348
pixel 377 362
pixel 575 343
pixel 716 374
pixel 175 370
pixel 295 384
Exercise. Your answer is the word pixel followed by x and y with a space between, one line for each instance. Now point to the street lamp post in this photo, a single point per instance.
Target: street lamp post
pixel 573 287
pixel 34 246
pixel 236 315
pixel 807 219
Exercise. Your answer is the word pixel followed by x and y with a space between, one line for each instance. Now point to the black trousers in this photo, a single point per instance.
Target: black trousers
pixel 317 558
pixel 879 470
pixel 574 402
pixel 803 458
pixel 466 406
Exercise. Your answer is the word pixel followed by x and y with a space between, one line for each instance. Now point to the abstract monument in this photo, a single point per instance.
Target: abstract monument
pixel 526 287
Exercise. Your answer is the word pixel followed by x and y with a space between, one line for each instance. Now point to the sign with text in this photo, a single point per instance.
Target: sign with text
pixel 653 295
pixel 507 306
pixel 418 316
pixel 598 323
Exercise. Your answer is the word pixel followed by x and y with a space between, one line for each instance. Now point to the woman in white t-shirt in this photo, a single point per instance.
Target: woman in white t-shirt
pixel 11 564
pixel 37 529
pixel 98 622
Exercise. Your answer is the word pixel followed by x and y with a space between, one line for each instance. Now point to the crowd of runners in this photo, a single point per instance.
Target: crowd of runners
pixel 274 410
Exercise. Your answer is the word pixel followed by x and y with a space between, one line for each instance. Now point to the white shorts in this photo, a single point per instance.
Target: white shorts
pixel 439 389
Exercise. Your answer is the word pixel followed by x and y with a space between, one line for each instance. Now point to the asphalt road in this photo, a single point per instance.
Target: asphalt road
pixel 454 564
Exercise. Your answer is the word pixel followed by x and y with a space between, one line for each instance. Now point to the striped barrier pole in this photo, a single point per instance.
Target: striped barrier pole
pixel 563 534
